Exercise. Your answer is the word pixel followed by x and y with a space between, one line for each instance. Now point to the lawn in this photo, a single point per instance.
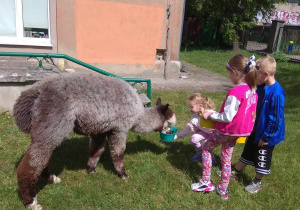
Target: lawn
pixel 160 173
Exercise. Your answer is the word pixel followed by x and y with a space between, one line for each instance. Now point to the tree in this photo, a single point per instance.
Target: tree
pixel 231 16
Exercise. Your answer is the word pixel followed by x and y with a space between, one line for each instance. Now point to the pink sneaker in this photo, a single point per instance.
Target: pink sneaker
pixel 203 186
pixel 223 194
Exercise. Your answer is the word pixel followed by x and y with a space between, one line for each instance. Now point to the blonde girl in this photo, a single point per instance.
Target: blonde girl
pixel 235 119
pixel 198 104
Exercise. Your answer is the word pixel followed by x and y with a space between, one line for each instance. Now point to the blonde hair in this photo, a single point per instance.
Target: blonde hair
pixel 199 98
pixel 268 64
pixel 238 64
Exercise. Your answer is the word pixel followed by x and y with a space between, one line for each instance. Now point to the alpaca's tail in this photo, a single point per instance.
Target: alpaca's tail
pixel 22 110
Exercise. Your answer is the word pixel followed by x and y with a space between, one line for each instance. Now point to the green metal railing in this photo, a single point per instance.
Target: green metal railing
pixel 132 81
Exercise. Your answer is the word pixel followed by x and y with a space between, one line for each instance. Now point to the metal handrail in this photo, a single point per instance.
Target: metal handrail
pixel 51 55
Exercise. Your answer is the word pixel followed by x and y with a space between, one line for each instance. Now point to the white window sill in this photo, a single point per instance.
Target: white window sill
pixel 42 42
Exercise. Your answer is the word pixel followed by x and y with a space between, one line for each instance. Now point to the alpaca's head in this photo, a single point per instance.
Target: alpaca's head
pixel 167 115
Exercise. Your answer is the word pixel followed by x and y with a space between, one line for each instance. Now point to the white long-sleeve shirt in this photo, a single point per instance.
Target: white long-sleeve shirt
pixel 231 107
pixel 195 120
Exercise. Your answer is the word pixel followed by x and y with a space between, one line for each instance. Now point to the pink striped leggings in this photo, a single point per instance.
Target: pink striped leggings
pixel 214 140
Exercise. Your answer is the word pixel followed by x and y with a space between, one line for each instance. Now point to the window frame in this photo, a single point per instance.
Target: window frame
pixel 19 39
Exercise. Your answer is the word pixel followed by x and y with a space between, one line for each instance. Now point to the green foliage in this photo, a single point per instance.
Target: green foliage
pixel 231 16
pixel 279 56
pixel 193 7
pixel 228 32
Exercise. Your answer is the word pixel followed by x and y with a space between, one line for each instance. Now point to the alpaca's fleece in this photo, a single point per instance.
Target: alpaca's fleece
pixel 101 107
pixel 92 103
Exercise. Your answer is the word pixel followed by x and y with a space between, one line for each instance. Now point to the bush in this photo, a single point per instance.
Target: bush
pixel 280 56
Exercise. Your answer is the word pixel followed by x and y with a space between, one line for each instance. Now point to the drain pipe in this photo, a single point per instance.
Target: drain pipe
pixel 182 23
pixel 167 38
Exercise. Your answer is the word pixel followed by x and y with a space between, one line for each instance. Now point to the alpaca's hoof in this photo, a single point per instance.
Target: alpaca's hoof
pixel 56 179
pixel 124 176
pixel 34 205
pixel 91 170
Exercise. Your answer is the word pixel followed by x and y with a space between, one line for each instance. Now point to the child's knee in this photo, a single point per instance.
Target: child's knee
pixel 195 139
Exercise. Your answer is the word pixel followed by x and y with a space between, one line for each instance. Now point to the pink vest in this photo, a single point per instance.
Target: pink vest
pixel 243 122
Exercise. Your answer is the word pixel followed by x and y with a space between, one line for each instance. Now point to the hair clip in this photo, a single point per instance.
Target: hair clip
pixel 229 67
pixel 250 63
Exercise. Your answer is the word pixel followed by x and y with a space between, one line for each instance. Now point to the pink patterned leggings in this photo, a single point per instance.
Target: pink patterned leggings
pixel 214 140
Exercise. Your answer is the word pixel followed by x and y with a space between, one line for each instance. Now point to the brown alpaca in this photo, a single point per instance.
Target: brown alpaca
pixel 100 107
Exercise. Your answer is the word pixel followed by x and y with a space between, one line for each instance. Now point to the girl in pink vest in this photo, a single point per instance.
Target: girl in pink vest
pixel 235 119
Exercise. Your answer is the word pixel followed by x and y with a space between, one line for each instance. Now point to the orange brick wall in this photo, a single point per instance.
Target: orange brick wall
pixel 117 33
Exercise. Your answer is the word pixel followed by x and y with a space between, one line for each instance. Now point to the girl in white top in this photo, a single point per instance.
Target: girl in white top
pixel 198 104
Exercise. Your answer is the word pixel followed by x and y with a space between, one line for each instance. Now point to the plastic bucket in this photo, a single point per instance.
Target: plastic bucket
pixel 168 137
pixel 241 140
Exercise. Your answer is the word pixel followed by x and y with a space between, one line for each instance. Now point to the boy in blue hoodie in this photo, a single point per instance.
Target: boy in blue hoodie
pixel 269 128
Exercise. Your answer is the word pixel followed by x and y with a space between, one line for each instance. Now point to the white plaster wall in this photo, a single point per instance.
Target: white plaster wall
pixel 9 95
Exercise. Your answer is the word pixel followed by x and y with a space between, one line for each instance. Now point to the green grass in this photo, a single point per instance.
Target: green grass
pixel 160 173
pixel 214 61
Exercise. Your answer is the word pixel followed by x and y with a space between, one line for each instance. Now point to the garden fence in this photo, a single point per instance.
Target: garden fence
pixel 288 41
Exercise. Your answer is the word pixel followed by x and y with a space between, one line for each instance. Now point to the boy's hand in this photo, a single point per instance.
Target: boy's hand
pixel 206 115
pixel 262 143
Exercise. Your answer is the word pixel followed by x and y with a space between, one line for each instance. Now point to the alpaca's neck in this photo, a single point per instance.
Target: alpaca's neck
pixel 147 122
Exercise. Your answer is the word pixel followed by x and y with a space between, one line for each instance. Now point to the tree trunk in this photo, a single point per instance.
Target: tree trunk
pixel 236 47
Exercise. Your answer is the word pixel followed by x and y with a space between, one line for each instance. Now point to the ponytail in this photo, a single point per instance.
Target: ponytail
pixel 250 72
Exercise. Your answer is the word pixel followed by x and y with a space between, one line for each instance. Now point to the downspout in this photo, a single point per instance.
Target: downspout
pixel 182 22
pixel 167 38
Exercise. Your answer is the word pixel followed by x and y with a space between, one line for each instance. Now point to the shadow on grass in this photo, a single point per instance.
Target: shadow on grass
pixel 179 155
pixel 73 154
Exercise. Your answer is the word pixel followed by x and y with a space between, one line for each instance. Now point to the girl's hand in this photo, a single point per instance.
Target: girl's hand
pixel 262 143
pixel 206 115
pixel 201 110
pixel 195 128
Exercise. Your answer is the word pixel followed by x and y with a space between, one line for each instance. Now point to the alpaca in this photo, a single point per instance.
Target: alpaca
pixel 97 106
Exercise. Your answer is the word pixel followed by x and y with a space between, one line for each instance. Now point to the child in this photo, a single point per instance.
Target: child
pixel 198 103
pixel 269 128
pixel 235 119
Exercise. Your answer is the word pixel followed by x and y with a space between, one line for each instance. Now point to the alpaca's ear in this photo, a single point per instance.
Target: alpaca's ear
pixel 158 102
pixel 164 110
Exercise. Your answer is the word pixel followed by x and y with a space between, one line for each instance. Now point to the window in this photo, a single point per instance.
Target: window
pixel 25 22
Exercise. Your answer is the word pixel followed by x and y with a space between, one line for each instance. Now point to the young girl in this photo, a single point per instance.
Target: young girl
pixel 198 104
pixel 235 119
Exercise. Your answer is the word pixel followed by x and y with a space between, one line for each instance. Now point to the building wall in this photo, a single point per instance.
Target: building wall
pixel 118 36
pixel 289 12
pixel 118 33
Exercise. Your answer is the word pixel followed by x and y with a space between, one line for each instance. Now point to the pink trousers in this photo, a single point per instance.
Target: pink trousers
pixel 214 140
pixel 197 138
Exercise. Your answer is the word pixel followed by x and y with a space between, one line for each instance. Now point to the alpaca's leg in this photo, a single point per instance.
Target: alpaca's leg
pixel 97 144
pixel 49 176
pixel 117 146
pixel 29 169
